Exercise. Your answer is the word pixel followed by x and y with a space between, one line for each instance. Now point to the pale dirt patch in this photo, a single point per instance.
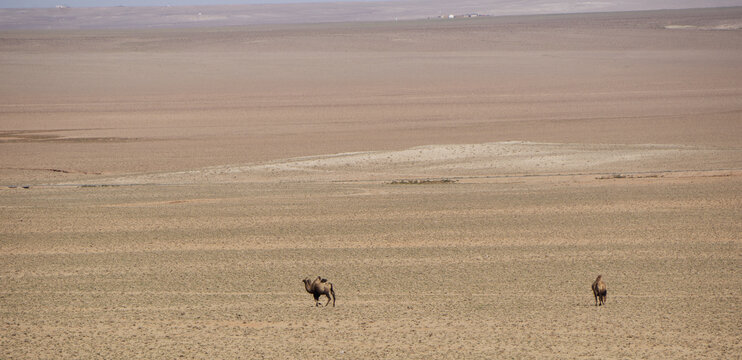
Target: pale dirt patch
pixel 732 26
pixel 490 160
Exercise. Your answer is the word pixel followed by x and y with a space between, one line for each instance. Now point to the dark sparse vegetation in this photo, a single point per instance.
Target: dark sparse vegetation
pixel 624 176
pixel 423 181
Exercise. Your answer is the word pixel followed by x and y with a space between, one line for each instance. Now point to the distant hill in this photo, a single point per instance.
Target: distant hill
pixel 234 15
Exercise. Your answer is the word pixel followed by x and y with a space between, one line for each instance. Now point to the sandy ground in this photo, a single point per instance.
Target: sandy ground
pixel 181 184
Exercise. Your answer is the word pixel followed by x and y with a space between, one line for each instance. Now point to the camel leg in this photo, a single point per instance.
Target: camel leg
pixel 596 299
pixel 316 300
pixel 328 299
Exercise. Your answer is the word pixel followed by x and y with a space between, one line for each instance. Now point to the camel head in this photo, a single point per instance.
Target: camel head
pixel 598 278
pixel 307 284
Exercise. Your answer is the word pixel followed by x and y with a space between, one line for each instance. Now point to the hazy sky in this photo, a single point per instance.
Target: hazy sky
pixel 89 3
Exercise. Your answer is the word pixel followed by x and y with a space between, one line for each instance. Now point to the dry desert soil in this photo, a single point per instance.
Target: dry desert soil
pixel 461 183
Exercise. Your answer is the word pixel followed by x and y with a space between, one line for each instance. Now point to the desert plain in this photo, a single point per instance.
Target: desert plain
pixel 461 182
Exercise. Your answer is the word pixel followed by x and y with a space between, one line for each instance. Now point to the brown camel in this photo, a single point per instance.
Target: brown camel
pixel 599 290
pixel 320 287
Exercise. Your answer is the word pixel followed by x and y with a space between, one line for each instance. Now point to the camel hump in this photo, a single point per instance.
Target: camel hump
pixel 323 280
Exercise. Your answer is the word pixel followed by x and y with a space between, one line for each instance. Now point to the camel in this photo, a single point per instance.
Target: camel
pixel 320 287
pixel 599 290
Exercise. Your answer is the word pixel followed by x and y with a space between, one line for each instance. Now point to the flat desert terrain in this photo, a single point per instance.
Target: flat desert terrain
pixel 163 192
